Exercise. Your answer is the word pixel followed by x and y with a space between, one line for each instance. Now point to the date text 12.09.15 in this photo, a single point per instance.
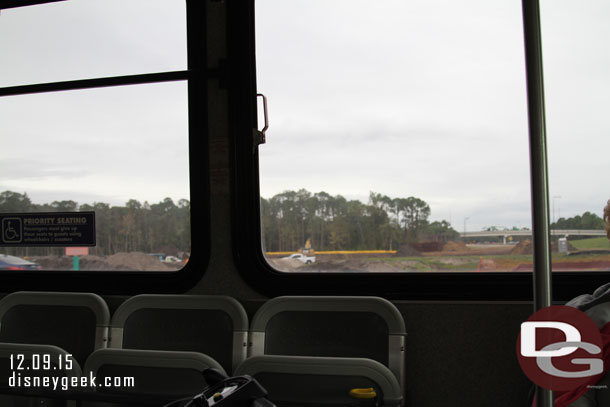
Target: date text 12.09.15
pixel 40 362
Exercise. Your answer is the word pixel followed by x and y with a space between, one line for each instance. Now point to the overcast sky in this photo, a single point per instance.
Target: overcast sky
pixel 104 145
pixel 406 98
pixel 427 98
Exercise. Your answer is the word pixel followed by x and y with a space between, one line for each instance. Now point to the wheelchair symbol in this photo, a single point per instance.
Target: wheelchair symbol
pixel 11 230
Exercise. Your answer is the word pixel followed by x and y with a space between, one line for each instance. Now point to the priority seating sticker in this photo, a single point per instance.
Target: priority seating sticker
pixel 47 229
pixel 560 348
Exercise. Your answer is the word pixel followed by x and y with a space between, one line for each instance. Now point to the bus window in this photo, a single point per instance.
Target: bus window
pixel 118 152
pixel 397 140
pixel 577 85
pixel 81 39
pixel 94 118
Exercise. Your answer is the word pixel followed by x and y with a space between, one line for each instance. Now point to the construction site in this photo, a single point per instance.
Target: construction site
pixel 452 256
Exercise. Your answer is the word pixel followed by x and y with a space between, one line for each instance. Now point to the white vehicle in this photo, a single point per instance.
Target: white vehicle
pixel 302 257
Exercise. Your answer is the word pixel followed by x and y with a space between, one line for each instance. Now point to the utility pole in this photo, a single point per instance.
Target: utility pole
pixel 555 197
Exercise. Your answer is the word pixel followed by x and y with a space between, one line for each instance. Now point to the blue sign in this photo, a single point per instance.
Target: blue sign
pixel 47 229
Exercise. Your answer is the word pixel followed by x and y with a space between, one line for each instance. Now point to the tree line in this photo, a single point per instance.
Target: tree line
pixel 330 222
pixel 158 227
pixel 288 219
pixel 587 221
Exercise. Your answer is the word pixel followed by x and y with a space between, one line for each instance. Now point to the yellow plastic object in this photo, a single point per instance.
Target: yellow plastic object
pixel 368 393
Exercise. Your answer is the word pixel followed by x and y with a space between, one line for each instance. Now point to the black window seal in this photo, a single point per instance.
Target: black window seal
pixel 97 83
pixel 5 4
pixel 130 282
pixel 247 242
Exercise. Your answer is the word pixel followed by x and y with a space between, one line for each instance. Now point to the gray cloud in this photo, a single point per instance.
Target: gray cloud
pixel 419 98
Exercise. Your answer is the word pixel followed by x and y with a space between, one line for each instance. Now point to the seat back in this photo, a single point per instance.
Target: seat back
pixel 322 381
pixel 213 325
pixel 75 322
pixel 356 327
pixel 36 375
pixel 148 375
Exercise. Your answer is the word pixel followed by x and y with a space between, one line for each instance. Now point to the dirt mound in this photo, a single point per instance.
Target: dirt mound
pixel 53 262
pixel 285 264
pixel 332 265
pixel 454 246
pixel 67 263
pixel 120 261
pixel 428 246
pixel 407 251
pixel 523 247
pixel 94 263
pixel 136 261
pixel 379 267
pixel 337 256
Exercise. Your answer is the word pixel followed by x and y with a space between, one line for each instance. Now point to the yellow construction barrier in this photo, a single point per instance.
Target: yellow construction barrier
pixel 336 252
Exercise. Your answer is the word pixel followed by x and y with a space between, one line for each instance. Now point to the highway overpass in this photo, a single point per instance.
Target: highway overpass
pixel 505 234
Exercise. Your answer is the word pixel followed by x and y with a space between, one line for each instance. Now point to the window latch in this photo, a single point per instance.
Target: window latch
pixel 260 135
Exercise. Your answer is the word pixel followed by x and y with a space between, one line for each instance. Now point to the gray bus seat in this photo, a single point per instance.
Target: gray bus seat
pixel 35 373
pixel 344 327
pixel 147 376
pixel 213 325
pixel 327 381
pixel 75 322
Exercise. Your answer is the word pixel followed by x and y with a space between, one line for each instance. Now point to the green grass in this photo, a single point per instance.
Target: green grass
pixel 503 262
pixel 468 263
pixel 592 243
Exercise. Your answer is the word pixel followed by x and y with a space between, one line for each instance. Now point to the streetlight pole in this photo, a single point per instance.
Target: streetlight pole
pixel 555 197
pixel 465 219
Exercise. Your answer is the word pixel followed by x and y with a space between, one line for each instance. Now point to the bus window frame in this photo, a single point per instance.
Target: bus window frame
pixel 129 282
pixel 247 237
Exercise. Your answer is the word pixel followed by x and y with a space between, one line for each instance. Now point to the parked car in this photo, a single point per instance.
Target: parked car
pixel 17 263
pixel 302 257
